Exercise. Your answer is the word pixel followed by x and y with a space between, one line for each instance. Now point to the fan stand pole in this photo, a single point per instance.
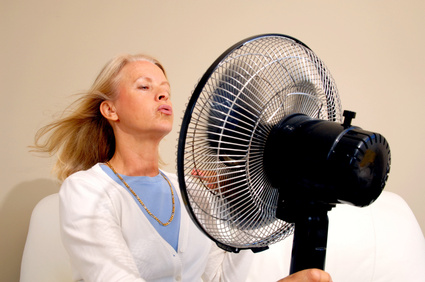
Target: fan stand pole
pixel 310 240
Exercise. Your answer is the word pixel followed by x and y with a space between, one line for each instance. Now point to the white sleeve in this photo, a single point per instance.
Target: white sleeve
pixel 92 235
pixel 226 266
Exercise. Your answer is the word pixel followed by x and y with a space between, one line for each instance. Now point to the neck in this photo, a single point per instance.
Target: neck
pixel 133 159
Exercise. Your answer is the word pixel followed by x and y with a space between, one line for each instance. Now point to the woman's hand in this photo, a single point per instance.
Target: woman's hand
pixel 209 178
pixel 308 275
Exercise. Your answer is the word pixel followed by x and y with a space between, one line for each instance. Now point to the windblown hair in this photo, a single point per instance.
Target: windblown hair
pixel 82 137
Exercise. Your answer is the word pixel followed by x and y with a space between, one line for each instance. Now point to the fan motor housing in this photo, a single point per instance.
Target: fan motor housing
pixel 318 160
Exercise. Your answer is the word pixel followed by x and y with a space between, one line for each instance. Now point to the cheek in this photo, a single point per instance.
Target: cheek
pixel 131 106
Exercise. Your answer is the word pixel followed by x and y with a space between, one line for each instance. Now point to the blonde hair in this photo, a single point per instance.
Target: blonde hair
pixel 82 137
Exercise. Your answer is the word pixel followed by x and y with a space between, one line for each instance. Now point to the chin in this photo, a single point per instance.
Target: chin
pixel 167 129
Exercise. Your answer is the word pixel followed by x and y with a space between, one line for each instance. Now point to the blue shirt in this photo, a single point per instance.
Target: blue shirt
pixel 155 193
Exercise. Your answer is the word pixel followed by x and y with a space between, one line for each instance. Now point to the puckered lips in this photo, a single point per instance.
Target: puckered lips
pixel 165 109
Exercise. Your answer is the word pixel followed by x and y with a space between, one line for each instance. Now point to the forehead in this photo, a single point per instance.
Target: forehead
pixel 141 69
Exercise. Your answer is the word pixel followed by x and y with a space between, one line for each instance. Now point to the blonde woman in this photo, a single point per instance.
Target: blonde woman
pixel 122 217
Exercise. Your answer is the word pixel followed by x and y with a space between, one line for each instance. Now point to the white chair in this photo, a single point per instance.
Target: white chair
pixel 44 258
pixel 382 242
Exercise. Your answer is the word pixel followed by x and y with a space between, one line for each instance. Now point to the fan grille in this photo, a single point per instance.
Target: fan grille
pixel 249 91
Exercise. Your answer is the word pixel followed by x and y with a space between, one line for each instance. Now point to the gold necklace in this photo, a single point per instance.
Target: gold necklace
pixel 140 201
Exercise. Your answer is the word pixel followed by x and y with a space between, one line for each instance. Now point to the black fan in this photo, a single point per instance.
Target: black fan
pixel 262 148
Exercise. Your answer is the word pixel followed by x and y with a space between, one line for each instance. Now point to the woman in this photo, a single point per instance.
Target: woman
pixel 121 216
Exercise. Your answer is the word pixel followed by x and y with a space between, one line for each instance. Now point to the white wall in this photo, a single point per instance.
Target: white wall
pixel 52 49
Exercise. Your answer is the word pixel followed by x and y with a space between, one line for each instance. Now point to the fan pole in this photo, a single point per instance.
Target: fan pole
pixel 310 240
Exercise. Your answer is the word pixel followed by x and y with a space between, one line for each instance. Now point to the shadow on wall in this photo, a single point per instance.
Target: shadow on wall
pixel 15 215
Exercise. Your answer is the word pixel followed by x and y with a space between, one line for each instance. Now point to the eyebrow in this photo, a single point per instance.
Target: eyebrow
pixel 150 80
pixel 166 83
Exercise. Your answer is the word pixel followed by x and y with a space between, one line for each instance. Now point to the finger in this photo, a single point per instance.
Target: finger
pixel 308 275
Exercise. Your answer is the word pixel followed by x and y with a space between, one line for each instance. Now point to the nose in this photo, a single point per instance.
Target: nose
pixel 163 95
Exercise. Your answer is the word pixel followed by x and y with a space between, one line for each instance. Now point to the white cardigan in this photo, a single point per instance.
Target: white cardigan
pixel 109 238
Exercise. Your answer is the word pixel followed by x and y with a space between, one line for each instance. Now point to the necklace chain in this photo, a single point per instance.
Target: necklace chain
pixel 140 201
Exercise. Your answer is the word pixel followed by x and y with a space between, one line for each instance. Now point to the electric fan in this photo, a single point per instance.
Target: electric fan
pixel 263 151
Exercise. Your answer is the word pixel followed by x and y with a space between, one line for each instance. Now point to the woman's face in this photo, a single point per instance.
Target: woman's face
pixel 143 103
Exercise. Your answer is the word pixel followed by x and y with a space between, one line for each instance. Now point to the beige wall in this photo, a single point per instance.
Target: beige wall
pixel 51 49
